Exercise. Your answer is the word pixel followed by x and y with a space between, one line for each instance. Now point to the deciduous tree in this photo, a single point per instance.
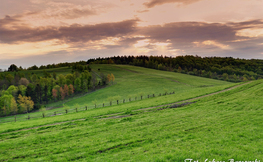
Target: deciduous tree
pixel 66 89
pixel 23 81
pixel 54 93
pixel 109 77
pixel 104 79
pixel 61 80
pixel 34 78
pixel 12 67
pixel 22 88
pixel 25 103
pixel 62 93
pixel 112 78
pixel 13 106
pixel 5 103
pixel 71 89
pixel 9 77
pixel 77 85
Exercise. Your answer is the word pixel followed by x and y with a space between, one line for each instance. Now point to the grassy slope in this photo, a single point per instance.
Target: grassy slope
pixel 113 109
pixel 224 126
pixel 131 80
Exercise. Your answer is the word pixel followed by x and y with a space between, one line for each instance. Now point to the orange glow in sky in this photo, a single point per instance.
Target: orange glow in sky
pixel 51 31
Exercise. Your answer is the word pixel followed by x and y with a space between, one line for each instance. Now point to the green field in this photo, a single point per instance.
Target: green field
pixel 222 126
pixel 130 81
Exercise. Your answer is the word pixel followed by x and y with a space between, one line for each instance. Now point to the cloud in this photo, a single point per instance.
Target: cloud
pixel 8 20
pixel 66 34
pixel 142 11
pixel 211 44
pixel 127 34
pixel 153 3
pixel 9 23
pixel 67 9
pixel 252 32
pixel 188 32
pixel 70 13
pixel 205 39
pixel 177 32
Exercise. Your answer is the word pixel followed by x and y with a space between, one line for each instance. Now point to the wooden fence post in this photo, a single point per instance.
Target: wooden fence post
pixel 86 107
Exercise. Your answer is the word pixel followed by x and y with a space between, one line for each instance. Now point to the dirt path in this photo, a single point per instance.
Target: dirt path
pixel 117 115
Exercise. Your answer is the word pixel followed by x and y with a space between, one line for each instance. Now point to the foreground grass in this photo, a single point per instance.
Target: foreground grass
pixel 224 126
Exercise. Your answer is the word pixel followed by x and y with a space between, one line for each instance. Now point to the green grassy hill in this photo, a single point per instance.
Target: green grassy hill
pixel 223 126
pixel 131 80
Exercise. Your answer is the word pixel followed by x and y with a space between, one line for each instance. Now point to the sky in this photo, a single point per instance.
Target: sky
pixel 41 32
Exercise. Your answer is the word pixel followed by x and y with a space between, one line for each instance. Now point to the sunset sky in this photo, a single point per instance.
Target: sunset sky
pixel 43 32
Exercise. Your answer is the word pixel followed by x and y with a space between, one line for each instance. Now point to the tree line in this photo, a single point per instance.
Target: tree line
pixel 79 64
pixel 223 68
pixel 22 92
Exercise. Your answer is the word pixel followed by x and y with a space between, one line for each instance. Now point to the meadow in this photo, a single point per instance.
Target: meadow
pixel 222 126
pixel 131 82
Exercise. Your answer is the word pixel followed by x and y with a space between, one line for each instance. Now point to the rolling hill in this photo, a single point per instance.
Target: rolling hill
pixel 221 121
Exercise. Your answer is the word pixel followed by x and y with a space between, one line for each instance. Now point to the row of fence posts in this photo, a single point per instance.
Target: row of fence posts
pixel 86 107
